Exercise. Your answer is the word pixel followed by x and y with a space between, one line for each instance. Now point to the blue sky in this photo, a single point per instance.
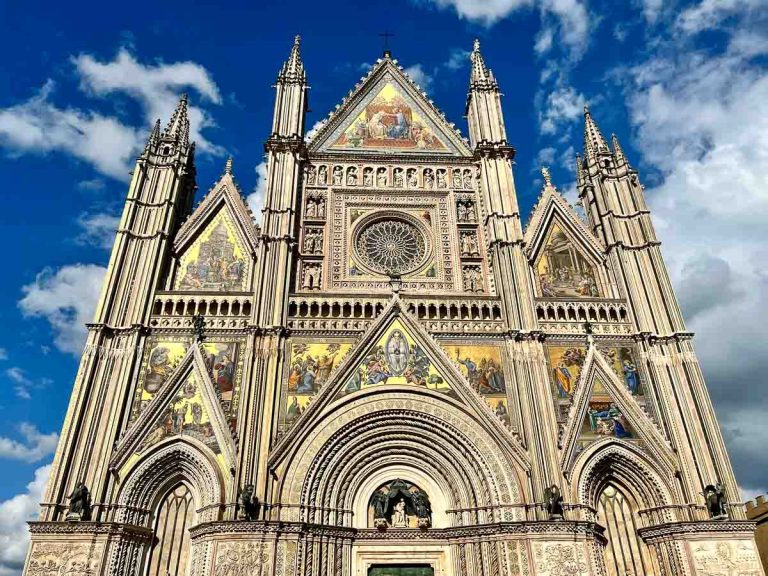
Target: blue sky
pixel 682 83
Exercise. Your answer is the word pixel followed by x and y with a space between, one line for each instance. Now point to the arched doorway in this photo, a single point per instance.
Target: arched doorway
pixel 625 553
pixel 170 542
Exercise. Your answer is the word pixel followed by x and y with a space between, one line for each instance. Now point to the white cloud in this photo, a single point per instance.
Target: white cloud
pixel 97 229
pixel 709 14
pixel 563 105
pixel 458 59
pixel 33 448
pixel 67 299
pixel 255 199
pixel 39 126
pixel 418 75
pixel 21 381
pixel 545 157
pixel 702 120
pixel 156 88
pixel 3 354
pixel 14 515
pixel 652 10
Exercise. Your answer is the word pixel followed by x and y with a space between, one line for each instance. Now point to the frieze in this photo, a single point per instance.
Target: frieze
pixel 55 558
pixel 725 558
pixel 653 534
pixel 90 528
pixel 560 559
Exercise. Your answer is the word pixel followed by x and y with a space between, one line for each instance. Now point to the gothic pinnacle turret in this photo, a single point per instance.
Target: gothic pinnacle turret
pixel 178 127
pixel 617 151
pixel 482 77
pixel 594 143
pixel 154 136
pixel 293 68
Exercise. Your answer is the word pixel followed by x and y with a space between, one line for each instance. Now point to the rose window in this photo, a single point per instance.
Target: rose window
pixel 391 246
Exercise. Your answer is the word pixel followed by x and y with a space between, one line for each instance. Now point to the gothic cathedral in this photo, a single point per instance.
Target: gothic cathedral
pixel 385 373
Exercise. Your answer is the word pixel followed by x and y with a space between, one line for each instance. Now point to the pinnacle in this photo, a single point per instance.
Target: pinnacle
pixel 178 127
pixel 481 75
pixel 228 166
pixel 594 143
pixel 293 68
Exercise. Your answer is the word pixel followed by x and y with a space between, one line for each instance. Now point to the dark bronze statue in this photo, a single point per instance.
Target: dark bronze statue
pixel 249 504
pixel 379 501
pixel 715 499
pixel 80 504
pixel 423 508
pixel 553 502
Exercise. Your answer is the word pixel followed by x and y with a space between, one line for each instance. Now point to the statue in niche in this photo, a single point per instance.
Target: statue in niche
pixel 311 278
pixel 469 244
pixel 467 179
pixel 398 178
pixel 311 174
pixel 441 183
pixel 337 175
pixel 457 178
pixel 423 508
pixel 461 212
pixel 321 207
pixel 322 175
pixel 313 242
pixel 473 280
pixel 311 211
pixel 715 499
pixel 352 176
pixel 413 180
pixel 553 502
pixel 429 179
pixel 470 211
pixel 381 177
pixel 399 517
pixel 379 503
pixel 368 177
pixel 80 504
pixel 249 504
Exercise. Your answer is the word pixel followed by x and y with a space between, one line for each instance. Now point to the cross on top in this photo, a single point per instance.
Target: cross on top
pixel 386 36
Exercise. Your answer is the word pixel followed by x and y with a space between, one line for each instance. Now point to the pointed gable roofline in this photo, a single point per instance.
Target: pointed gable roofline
pixel 596 366
pixel 471 400
pixel 366 85
pixel 192 362
pixel 550 205
pixel 224 192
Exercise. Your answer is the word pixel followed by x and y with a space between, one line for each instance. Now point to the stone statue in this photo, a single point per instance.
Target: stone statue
pixel 429 180
pixel 337 174
pixel 553 502
pixel 413 180
pixel 311 173
pixel 468 244
pixel 715 499
pixel 368 177
pixel 381 177
pixel 322 175
pixel 80 504
pixel 398 177
pixel 399 517
pixel 311 211
pixel 423 508
pixel 352 177
pixel 321 207
pixel 441 179
pixel 456 179
pixel 249 504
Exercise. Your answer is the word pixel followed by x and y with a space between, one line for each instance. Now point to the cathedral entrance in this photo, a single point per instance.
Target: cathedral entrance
pixel 401 570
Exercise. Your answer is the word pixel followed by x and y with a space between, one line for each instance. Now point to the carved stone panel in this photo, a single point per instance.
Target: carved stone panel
pixel 725 558
pixel 560 559
pixel 55 558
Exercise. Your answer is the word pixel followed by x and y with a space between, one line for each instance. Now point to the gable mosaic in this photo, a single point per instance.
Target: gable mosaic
pixel 562 269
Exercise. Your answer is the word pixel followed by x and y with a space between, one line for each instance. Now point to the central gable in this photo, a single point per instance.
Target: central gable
pixel 387 114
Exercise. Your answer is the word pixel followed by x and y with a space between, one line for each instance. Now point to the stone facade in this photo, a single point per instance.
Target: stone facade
pixel 388 374
pixel 757 511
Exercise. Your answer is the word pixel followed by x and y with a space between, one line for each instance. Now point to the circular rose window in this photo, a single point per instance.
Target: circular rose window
pixel 391 246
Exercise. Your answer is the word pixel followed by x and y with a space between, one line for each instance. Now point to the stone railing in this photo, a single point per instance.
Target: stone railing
pixel 606 316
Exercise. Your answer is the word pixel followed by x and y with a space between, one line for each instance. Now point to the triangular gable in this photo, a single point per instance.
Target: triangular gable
pixel 427 366
pixel 387 113
pixel 187 405
pixel 604 409
pixel 222 218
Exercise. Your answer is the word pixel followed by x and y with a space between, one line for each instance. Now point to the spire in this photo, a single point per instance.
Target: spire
pixel 228 166
pixel 594 143
pixel 154 135
pixel 481 76
pixel 547 177
pixel 293 69
pixel 617 151
pixel 178 127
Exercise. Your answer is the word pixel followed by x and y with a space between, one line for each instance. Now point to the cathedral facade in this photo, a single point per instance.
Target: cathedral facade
pixel 385 373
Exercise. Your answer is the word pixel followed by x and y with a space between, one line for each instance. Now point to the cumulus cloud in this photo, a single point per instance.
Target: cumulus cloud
pixel 563 105
pixel 155 87
pixel 39 126
pixel 420 76
pixel 255 199
pixel 97 229
pixel 458 59
pixel 66 298
pixel 34 447
pixel 709 14
pixel 14 515
pixel 702 121
pixel 107 142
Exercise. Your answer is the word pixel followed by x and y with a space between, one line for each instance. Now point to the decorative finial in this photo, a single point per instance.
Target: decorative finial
pixel 387 52
pixel 228 166
pixel 476 45
pixel 198 324
pixel 297 40
pixel 586 109
pixel 547 176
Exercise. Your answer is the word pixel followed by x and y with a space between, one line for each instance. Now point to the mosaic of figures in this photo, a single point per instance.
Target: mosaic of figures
pixel 563 271
pixel 186 415
pixel 389 122
pixel 222 361
pixel 396 359
pixel 381 176
pixel 566 363
pixel 310 366
pixel 482 367
pixel 216 261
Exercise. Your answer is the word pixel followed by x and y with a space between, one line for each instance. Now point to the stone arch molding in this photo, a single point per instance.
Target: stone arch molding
pixel 420 433
pixel 620 461
pixel 176 460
